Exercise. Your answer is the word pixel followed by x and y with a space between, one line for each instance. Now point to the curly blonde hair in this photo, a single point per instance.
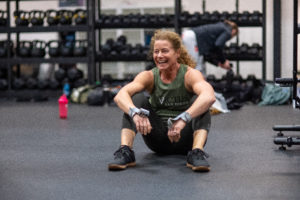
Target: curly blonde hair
pixel 176 42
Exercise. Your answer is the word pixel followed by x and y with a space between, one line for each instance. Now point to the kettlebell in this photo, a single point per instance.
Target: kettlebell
pixel 37 17
pixel 65 17
pixel 80 48
pixel 38 48
pixel 53 48
pixel 3 18
pixel 24 48
pixel 52 17
pixel 80 16
pixel 4 48
pixel 66 49
pixel 21 18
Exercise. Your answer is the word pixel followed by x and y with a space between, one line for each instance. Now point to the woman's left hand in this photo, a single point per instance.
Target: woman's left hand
pixel 174 131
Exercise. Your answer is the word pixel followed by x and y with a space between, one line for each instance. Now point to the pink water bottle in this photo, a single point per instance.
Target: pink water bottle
pixel 63 106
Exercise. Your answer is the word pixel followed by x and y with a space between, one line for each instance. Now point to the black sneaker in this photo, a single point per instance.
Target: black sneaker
pixel 124 157
pixel 196 160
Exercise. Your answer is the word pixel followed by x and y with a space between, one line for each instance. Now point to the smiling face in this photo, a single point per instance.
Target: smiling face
pixel 164 54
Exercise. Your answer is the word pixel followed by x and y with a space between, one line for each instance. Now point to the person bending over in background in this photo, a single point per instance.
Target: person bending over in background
pixel 206 43
pixel 175 119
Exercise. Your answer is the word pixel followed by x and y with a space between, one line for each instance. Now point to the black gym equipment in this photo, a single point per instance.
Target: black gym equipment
pixel 52 17
pixel 74 74
pixel 60 74
pixel 3 18
pixel 21 18
pixel 65 17
pixel 80 16
pixel 3 84
pixel 38 48
pixel 66 49
pixel 53 48
pixel 43 84
pixel 24 49
pixel 4 48
pixel 18 83
pixel 80 48
pixel 96 97
pixel 31 83
pixel 37 17
pixel 281 139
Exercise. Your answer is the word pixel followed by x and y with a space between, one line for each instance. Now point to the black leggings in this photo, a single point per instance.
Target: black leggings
pixel 158 140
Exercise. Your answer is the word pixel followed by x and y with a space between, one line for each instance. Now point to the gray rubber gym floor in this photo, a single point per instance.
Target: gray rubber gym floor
pixel 44 158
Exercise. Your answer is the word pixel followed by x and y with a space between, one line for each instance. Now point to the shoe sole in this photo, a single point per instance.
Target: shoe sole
pixel 121 167
pixel 198 168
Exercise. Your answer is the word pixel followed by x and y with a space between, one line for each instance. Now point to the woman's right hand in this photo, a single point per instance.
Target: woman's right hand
pixel 142 124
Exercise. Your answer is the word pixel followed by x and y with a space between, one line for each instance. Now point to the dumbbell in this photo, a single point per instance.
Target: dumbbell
pixel 215 16
pixel 184 16
pixel 194 19
pixel 3 18
pixel 255 17
pixel 205 17
pixel 233 50
pixel 24 49
pixel 53 48
pixel 52 17
pixel 80 48
pixel 136 52
pixel 243 50
pixel 234 16
pixel 119 45
pixel 107 21
pixel 134 19
pixel 117 20
pixel 224 15
pixel 126 52
pixel 145 52
pixel 162 20
pixel 144 20
pixel 65 17
pixel 244 17
pixel 254 50
pixel 21 18
pixel 80 16
pixel 38 48
pixel 74 74
pixel 37 17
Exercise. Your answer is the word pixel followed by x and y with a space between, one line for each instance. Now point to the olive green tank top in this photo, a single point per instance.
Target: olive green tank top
pixel 169 100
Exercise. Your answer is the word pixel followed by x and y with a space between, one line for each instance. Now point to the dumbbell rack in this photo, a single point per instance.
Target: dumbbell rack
pixel 178 25
pixel 244 25
pixel 88 28
pixel 281 139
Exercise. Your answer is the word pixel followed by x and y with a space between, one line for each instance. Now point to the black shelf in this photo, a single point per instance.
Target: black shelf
pixel 20 29
pixel 10 60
